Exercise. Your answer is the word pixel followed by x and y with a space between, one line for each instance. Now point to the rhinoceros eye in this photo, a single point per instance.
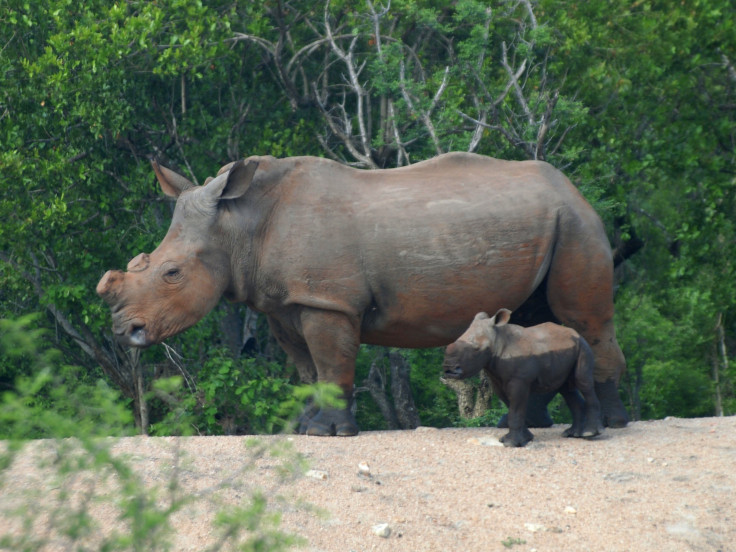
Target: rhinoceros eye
pixel 172 275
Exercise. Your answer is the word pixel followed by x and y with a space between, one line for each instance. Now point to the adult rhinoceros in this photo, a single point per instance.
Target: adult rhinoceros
pixel 336 256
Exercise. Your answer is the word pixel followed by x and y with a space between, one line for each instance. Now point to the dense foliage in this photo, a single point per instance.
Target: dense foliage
pixel 634 100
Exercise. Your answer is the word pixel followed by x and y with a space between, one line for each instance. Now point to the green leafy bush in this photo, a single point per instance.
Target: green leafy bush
pixel 79 473
pixel 242 396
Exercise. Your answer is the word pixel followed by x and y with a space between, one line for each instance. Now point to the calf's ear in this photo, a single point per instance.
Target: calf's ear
pixel 501 317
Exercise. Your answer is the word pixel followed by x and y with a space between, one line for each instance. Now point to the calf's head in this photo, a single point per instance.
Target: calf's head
pixel 473 350
pixel 171 289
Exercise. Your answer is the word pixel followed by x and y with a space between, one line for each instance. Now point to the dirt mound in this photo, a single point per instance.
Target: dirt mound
pixel 661 485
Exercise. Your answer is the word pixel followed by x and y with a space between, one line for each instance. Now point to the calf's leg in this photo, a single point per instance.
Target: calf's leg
pixel 576 404
pixel 519 435
pixel 537 414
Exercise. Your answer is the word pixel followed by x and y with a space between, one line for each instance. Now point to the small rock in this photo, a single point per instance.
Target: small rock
pixel 535 527
pixel 485 441
pixel 422 429
pixel 382 530
pixel 570 510
pixel 364 469
pixel 317 474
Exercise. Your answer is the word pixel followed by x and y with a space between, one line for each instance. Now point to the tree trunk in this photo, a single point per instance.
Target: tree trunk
pixel 473 399
pixel 720 362
pixel 406 411
pixel 375 384
pixel 140 403
pixel 397 408
pixel 465 396
pixel 483 398
pixel 633 381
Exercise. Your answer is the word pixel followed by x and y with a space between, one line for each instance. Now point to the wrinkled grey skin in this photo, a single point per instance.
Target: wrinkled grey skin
pixel 336 256
pixel 520 361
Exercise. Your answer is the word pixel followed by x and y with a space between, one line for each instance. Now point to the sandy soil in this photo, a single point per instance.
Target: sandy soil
pixel 666 485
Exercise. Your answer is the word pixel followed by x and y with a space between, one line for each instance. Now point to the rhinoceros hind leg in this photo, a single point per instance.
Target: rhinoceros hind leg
pixel 571 432
pixel 589 431
pixel 576 405
pixel 330 421
pixel 614 413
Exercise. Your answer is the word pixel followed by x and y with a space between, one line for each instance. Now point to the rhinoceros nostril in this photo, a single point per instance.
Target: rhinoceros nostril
pixel 453 371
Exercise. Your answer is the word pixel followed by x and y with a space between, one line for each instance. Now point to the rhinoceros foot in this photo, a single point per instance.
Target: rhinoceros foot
pixel 590 429
pixel 517 438
pixel 613 411
pixel 328 422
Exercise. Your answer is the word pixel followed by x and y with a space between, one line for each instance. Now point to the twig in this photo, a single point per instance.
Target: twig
pixel 170 354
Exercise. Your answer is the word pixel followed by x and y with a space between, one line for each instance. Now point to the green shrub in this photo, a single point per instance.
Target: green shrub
pixel 232 396
pixel 79 472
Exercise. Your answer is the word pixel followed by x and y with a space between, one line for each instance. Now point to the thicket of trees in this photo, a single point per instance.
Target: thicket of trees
pixel 635 101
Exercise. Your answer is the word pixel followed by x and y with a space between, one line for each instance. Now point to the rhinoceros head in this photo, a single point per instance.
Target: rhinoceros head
pixel 472 351
pixel 171 289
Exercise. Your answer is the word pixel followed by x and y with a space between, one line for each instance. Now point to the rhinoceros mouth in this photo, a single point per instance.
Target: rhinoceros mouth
pixel 138 336
pixel 453 371
pixel 133 334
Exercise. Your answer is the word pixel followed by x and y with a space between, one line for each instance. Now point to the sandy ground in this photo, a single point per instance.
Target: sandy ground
pixel 665 485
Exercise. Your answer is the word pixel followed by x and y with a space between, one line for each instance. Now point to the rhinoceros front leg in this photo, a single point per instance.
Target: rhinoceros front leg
pixel 296 349
pixel 519 435
pixel 333 340
pixel 537 414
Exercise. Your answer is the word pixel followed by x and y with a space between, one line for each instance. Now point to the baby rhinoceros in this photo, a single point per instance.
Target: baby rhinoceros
pixel 519 361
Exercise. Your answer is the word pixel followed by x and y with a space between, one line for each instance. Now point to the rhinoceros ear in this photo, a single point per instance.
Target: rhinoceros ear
pixel 501 317
pixel 233 183
pixel 239 179
pixel 172 184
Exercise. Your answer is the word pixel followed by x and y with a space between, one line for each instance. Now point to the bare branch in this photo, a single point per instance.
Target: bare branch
pixel 269 47
pixel 425 116
pixel 344 136
pixel 544 126
pixel 376 17
pixel 175 358
pixel 353 73
pixel 729 67
pixel 400 150
pixel 440 90
pixel 529 9
pixel 514 81
pixel 174 133
pixel 479 127
pixel 486 32
pixel 513 139
pixel 311 48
